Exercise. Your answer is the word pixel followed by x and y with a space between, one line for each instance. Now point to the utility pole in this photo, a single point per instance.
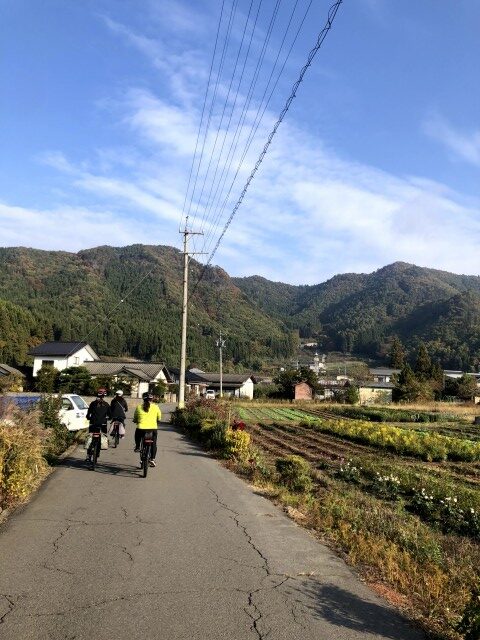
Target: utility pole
pixel 221 345
pixel 183 354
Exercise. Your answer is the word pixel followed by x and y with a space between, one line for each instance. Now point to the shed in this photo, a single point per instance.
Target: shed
pixel 302 391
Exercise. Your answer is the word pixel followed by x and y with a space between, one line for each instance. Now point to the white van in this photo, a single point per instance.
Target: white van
pixel 73 413
pixel 210 394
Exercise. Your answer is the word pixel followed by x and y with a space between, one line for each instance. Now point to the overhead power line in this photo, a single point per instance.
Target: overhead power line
pixel 321 37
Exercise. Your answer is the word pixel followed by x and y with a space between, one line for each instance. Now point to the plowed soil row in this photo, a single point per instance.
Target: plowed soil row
pixel 314 446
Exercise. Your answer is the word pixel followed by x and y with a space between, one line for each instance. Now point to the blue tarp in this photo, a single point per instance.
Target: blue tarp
pixel 24 402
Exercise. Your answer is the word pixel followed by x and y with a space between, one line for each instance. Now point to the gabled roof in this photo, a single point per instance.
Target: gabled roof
pixel 214 378
pixel 61 349
pixel 6 370
pixel 384 371
pixel 140 369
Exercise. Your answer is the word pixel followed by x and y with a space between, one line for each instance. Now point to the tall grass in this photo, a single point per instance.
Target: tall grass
pixel 22 462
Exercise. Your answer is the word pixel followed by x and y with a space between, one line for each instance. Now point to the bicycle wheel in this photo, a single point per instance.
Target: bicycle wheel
pixel 145 459
pixel 116 436
pixel 94 452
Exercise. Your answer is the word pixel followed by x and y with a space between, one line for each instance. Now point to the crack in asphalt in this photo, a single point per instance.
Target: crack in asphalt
pixel 107 601
pixel 252 610
pixel 128 554
pixel 236 519
pixel 11 606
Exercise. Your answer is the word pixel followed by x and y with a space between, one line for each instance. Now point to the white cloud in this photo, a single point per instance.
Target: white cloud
pixel 66 228
pixel 463 145
pixel 308 214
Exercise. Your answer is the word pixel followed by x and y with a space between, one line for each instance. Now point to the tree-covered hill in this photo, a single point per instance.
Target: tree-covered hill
pixel 65 296
pixel 48 295
pixel 361 313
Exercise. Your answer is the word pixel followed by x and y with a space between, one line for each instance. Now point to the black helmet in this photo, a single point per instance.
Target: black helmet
pixel 147 395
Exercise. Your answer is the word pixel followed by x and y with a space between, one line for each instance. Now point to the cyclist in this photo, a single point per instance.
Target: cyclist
pixel 118 409
pixel 147 417
pixel 98 413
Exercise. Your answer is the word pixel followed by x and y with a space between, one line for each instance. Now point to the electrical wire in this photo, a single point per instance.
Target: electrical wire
pixel 219 208
pixel 321 37
pixel 203 112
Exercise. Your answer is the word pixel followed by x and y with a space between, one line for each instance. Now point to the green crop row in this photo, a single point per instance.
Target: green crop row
pixel 384 414
pixel 428 446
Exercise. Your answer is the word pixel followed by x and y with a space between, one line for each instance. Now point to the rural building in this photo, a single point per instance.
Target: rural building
pixel 456 375
pixel 138 373
pixel 383 374
pixel 238 385
pixel 12 377
pixel 375 392
pixel 302 391
pixel 62 355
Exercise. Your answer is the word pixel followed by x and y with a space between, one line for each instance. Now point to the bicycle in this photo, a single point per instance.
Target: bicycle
pixel 145 451
pixel 115 432
pixel 94 448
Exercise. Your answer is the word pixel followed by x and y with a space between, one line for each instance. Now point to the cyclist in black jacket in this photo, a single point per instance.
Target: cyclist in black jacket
pixel 118 407
pixel 98 414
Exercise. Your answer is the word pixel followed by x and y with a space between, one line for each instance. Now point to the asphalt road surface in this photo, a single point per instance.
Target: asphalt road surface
pixel 190 552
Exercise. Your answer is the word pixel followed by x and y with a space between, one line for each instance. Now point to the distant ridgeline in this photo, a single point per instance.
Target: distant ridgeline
pixel 55 295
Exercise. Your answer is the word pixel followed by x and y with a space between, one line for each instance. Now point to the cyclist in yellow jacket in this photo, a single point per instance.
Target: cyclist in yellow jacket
pixel 147 417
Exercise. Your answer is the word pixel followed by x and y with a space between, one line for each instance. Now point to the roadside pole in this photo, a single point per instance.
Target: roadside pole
pixel 220 345
pixel 183 353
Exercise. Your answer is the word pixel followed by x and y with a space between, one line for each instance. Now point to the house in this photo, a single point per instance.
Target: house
pixel 61 355
pixel 302 391
pixel 383 374
pixel 318 365
pixel 456 375
pixel 12 377
pixel 140 374
pixel 235 385
pixel 375 392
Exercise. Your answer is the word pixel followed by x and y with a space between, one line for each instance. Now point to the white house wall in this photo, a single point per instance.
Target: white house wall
pixel 61 363
pixel 246 390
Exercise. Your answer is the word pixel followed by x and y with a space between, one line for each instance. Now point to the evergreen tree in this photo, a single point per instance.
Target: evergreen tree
pixel 397 353
pixel 423 364
pixel 47 379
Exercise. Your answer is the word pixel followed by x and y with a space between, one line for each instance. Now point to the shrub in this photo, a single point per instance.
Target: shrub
pixel 470 622
pixel 295 473
pixel 59 437
pixel 22 465
pixel 237 445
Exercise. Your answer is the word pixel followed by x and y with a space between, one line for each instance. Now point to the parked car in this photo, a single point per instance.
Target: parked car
pixel 210 394
pixel 73 413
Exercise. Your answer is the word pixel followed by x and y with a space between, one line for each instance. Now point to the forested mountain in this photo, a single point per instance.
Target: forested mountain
pixel 47 295
pixel 360 313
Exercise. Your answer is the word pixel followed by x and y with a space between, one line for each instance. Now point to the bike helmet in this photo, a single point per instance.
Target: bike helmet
pixel 101 393
pixel 147 395
pixel 119 392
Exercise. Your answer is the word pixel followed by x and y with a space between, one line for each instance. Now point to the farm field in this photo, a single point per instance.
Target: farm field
pixel 410 489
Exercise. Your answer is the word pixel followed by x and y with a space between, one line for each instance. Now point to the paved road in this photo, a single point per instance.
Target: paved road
pixel 190 552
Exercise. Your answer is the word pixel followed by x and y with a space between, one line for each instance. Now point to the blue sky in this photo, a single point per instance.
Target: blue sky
pixel 377 160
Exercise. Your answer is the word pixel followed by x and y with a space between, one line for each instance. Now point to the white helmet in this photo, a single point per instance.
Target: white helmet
pixel 119 393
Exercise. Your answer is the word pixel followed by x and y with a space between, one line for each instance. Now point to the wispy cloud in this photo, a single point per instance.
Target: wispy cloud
pixel 461 144
pixel 309 213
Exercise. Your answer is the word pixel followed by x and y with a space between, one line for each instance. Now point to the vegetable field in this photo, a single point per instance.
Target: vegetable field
pixel 397 490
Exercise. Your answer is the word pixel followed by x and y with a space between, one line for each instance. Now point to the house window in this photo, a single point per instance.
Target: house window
pixel 48 363
pixel 76 360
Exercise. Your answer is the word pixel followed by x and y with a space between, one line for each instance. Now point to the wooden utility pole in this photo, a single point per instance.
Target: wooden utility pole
pixel 183 354
pixel 220 345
